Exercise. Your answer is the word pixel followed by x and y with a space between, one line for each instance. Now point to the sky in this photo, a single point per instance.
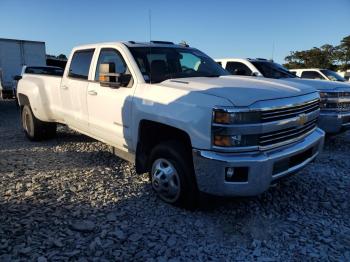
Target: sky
pixel 236 28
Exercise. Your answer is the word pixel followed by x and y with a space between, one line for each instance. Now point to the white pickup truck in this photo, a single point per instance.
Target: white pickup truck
pixel 318 74
pixel 178 115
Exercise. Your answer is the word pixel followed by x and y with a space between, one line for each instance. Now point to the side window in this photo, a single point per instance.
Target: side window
pixel 80 65
pixel 237 68
pixel 311 75
pixel 111 56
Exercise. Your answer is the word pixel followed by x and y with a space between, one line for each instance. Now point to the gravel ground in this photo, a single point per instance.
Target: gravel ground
pixel 70 199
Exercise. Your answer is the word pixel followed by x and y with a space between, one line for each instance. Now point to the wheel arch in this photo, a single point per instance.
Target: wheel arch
pixel 33 94
pixel 151 133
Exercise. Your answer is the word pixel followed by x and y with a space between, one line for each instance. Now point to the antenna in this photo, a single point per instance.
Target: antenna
pixel 150 24
pixel 150 48
pixel 273 50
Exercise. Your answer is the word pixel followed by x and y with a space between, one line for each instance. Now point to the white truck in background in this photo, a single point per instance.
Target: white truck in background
pixel 335 96
pixel 318 74
pixel 179 116
pixel 14 54
pixel 345 74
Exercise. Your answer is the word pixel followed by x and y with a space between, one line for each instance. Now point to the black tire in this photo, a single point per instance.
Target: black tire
pixel 181 159
pixel 34 128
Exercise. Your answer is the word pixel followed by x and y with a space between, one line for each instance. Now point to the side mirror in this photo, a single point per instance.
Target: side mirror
pixel 17 77
pixel 109 78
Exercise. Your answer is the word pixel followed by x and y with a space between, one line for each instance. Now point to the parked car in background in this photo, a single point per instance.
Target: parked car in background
pixel 178 115
pixel 13 55
pixel 345 74
pixel 36 70
pixel 318 74
pixel 335 96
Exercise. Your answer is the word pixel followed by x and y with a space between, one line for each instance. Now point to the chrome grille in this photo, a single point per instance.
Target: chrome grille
pixel 284 135
pixel 289 112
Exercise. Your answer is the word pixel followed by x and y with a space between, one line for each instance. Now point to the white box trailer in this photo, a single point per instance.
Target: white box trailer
pixel 14 54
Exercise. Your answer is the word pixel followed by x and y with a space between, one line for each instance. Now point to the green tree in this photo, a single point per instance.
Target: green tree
pixel 343 53
pixel 323 57
pixel 62 56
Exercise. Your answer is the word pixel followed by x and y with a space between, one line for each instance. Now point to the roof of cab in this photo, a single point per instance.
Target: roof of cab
pixel 244 59
pixel 133 44
pixel 306 69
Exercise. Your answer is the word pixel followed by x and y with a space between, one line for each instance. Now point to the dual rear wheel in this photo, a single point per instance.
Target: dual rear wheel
pixel 34 128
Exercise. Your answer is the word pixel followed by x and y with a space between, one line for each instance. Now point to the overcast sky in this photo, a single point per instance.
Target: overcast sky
pixel 219 28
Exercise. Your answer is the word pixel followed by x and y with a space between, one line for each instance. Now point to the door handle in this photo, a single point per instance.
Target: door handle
pixel 92 93
pixel 64 87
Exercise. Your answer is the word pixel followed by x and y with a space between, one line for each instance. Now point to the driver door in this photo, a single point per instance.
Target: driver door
pixel 109 108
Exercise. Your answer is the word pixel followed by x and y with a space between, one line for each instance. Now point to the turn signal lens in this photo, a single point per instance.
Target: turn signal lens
pixel 235 140
pixel 224 141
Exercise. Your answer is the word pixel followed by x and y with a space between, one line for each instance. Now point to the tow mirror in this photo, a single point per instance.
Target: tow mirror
pixel 108 76
pixel 17 77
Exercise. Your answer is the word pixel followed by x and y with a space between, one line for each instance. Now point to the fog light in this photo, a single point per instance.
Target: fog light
pixel 236 174
pixel 230 171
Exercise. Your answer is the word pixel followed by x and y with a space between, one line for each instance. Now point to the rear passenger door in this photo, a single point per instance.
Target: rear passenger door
pixel 74 88
pixel 311 74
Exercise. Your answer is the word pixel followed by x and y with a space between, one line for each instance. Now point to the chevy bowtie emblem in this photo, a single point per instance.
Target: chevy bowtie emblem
pixel 302 119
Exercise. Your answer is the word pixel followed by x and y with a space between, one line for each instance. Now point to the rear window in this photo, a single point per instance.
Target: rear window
pixel 80 65
pixel 42 70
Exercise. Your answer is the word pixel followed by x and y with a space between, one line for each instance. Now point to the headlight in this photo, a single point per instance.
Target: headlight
pixel 340 94
pixel 329 95
pixel 228 117
pixel 339 101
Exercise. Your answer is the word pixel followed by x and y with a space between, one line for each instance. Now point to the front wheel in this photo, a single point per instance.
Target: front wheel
pixel 172 174
pixel 34 128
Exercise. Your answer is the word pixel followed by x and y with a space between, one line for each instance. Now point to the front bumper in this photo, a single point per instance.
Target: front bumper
pixel 262 167
pixel 334 122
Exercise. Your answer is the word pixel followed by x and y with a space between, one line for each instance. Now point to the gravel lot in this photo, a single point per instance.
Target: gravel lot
pixel 70 199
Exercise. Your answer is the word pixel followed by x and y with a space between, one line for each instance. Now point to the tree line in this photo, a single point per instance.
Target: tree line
pixel 327 56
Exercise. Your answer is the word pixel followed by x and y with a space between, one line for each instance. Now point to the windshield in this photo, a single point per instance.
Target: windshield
pixel 333 75
pixel 272 70
pixel 161 63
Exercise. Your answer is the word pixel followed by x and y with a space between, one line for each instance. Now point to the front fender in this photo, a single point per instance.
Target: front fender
pixel 189 111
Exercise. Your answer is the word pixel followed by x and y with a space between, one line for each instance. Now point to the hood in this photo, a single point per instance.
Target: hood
pixel 321 84
pixel 240 90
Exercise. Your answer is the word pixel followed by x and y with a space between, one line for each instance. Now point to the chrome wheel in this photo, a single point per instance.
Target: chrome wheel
pixel 165 180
